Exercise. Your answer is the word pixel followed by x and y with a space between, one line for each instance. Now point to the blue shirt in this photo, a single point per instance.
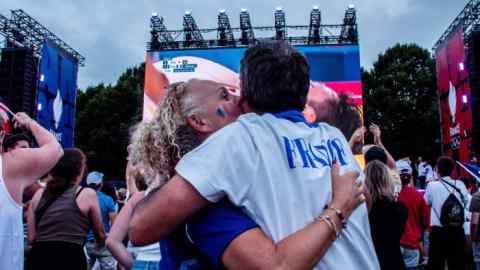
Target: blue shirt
pixel 107 206
pixel 204 238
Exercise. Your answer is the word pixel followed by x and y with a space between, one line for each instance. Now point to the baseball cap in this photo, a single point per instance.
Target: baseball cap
pixel 403 167
pixel 94 178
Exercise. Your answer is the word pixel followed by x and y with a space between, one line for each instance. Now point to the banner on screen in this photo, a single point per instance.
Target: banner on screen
pixel 57 91
pixel 454 92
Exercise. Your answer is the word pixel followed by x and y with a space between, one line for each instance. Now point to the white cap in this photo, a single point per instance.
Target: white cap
pixel 351 6
pixel 243 10
pixel 94 178
pixel 279 8
pixel 188 12
pixel 315 7
pixel 403 167
pixel 221 10
pixel 154 14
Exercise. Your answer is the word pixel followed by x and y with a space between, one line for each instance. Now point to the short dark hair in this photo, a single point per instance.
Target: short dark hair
pixel 11 140
pixel 376 153
pixel 274 77
pixel 445 166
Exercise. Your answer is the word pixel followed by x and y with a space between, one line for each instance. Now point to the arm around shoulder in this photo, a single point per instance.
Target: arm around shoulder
pixel 163 210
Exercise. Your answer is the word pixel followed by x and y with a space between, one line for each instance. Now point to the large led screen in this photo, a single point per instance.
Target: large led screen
pixel 454 92
pixel 57 90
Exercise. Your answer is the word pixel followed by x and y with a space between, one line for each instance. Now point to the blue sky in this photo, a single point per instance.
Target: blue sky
pixel 112 34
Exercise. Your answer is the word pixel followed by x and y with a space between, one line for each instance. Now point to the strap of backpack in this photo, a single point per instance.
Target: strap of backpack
pixel 456 189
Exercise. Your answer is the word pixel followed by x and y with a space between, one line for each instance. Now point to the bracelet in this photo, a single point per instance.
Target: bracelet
pixel 340 215
pixel 331 224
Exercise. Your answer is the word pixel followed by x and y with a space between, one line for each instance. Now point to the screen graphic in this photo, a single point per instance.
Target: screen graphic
pixel 57 90
pixel 454 93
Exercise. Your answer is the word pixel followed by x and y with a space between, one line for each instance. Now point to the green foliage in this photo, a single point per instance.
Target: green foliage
pixel 400 95
pixel 103 119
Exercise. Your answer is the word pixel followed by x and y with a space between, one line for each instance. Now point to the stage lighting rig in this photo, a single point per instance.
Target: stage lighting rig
pixel 160 36
pixel 224 33
pixel 192 34
pixel 314 31
pixel 247 34
pixel 22 30
pixel 349 31
pixel 280 24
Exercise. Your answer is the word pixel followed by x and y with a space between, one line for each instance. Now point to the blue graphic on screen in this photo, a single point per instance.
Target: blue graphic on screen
pixel 327 63
pixel 57 90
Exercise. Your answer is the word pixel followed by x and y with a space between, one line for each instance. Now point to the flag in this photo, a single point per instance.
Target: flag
pixel 6 117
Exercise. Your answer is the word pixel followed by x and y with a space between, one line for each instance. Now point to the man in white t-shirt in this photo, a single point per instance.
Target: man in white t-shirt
pixel 446 244
pixel 271 164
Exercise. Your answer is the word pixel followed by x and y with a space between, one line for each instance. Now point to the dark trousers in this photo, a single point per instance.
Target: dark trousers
pixel 447 245
pixel 56 255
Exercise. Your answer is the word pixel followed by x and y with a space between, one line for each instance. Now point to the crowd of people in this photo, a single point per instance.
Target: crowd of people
pixel 219 180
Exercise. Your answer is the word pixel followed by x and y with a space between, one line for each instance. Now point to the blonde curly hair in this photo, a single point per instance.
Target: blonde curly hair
pixel 159 144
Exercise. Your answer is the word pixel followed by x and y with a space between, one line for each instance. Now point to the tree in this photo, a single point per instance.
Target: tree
pixel 400 95
pixel 104 117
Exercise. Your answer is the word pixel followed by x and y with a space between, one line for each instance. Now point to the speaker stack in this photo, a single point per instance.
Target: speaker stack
pixel 18 79
pixel 473 55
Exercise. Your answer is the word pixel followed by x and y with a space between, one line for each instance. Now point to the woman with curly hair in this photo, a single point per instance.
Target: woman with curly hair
pixel 222 233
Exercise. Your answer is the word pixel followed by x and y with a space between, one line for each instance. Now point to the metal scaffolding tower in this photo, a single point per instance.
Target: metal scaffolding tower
pixel 314 30
pixel 192 34
pixel 349 30
pixel 224 33
pixel 280 24
pixel 21 30
pixel 468 18
pixel 246 28
pixel 315 33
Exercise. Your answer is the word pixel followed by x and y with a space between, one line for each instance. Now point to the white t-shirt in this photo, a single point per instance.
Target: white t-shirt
pixel 437 193
pixel 278 172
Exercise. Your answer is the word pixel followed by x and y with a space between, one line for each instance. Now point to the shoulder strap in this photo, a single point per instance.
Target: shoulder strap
pixel 455 188
pixel 78 193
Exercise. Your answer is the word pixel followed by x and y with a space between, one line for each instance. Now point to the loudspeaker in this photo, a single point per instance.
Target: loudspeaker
pixel 473 60
pixel 18 79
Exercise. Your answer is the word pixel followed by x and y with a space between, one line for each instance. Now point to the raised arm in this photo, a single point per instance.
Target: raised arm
pixel 304 248
pixel 377 140
pixel 30 164
pixel 161 211
pixel 119 231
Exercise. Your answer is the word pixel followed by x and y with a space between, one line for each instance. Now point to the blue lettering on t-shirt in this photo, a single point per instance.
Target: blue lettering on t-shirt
pixel 314 156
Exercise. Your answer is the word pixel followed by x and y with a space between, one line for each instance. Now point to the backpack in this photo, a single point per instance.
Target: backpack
pixel 453 211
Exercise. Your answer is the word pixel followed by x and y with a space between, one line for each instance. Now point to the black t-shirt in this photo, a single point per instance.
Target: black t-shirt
pixel 387 222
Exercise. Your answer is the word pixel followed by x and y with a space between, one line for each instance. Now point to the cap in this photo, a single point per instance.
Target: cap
pixel 403 167
pixel 94 178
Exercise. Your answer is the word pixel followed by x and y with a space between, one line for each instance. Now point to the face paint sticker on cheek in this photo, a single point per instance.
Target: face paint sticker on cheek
pixel 221 112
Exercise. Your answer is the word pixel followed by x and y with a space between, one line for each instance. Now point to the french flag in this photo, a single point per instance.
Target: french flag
pixel 6 116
